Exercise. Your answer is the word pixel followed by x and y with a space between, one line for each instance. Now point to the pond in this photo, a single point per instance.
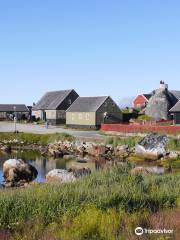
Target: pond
pixel 46 164
pixel 43 164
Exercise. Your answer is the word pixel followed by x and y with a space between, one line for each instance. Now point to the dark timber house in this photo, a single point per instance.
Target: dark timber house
pixel 52 106
pixel 176 112
pixel 91 112
pixel 9 111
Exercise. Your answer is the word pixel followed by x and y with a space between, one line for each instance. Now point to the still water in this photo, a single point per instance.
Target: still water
pixel 46 164
pixel 43 164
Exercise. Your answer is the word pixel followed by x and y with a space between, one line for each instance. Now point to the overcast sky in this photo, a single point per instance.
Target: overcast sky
pixel 98 47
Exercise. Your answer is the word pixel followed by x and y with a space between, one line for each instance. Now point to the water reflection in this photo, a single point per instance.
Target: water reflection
pixel 44 164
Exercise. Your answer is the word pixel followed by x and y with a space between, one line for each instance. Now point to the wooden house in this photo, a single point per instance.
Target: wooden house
pixel 53 105
pixel 91 112
pixel 9 111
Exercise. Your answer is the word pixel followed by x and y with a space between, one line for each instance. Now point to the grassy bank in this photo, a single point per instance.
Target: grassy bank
pixel 101 199
pixel 31 138
pixel 173 143
pixel 119 140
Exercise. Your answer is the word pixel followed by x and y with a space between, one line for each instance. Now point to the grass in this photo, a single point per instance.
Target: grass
pixel 31 138
pixel 110 189
pixel 174 144
pixel 117 140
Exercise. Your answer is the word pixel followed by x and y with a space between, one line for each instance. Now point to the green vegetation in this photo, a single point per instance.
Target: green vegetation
pixel 145 117
pixel 107 191
pixel 117 140
pixel 174 144
pixel 31 138
pixel 171 163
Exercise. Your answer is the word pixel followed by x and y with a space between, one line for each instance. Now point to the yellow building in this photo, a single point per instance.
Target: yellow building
pixel 91 112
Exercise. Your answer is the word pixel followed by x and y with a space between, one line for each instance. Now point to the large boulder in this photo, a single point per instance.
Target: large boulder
pixel 152 147
pixel 17 172
pixel 60 175
pixel 66 176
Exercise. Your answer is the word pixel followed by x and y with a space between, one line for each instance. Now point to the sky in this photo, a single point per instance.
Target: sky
pixel 98 47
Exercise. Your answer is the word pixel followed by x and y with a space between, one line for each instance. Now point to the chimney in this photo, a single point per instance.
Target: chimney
pixel 163 85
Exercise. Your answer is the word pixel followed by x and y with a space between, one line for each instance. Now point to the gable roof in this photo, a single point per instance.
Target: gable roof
pixel 51 100
pixel 10 108
pixel 87 104
pixel 176 107
pixel 176 93
pixel 173 93
pixel 147 96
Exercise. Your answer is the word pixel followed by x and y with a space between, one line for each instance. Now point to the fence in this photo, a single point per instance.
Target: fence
pixel 128 128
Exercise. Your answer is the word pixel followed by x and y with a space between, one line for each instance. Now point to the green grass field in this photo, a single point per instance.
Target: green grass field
pixel 94 207
pixel 31 138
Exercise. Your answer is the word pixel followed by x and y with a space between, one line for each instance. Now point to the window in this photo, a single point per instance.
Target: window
pixel 80 116
pixel 87 116
pixel 72 116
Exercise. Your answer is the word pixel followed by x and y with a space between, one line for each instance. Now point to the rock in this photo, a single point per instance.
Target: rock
pixel 80 172
pixel 17 172
pixel 173 155
pixel 90 148
pixel 148 170
pixel 5 148
pixel 60 175
pixel 60 148
pixel 109 148
pixel 66 176
pixel 122 148
pixel 67 157
pixel 140 170
pixel 152 147
pixel 82 161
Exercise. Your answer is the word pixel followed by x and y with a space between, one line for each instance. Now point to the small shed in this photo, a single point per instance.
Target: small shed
pixel 91 112
pixel 52 106
pixel 9 111
pixel 176 112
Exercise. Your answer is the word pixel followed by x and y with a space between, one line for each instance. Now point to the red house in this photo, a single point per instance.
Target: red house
pixel 141 101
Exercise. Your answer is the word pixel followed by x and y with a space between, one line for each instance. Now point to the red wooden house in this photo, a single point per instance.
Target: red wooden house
pixel 141 101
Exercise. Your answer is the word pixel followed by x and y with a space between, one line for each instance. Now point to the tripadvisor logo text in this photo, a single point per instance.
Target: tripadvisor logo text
pixel 140 231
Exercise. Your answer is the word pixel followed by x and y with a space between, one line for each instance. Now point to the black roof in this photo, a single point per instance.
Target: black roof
pixel 13 107
pixel 176 107
pixel 148 95
pixel 176 94
pixel 87 104
pixel 51 100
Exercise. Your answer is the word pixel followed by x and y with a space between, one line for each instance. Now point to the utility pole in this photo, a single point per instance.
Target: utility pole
pixel 15 119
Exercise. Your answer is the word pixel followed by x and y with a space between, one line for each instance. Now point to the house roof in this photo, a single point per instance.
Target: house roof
pixel 10 108
pixel 176 93
pixel 147 95
pixel 176 107
pixel 51 100
pixel 87 104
